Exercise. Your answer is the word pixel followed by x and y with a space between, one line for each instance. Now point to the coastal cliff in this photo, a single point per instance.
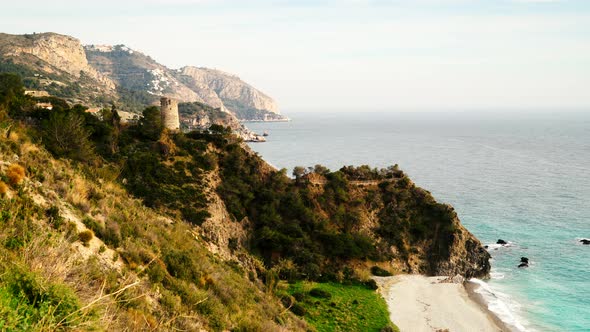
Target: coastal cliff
pixel 58 52
pixel 56 64
pixel 239 97
pixel 100 75
pixel 134 225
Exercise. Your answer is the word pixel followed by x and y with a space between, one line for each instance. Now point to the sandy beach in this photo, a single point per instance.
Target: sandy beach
pixel 422 304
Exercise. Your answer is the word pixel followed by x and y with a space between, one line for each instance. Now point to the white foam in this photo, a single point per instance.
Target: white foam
pixel 495 246
pixel 497 275
pixel 500 304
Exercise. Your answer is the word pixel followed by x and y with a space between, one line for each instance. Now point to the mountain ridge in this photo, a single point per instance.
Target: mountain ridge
pixel 104 74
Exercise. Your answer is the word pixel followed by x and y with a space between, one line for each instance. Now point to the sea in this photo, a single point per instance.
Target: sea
pixel 520 176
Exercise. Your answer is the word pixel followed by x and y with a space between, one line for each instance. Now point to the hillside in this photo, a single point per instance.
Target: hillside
pixel 78 253
pixel 144 228
pixel 240 98
pixel 56 64
pixel 98 75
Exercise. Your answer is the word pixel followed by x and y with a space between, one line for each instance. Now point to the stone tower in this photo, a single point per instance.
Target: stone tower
pixel 169 112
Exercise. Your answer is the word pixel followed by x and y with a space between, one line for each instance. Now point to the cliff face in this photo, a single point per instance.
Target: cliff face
pixel 325 220
pixel 237 95
pixel 101 74
pixel 466 256
pixel 138 72
pixel 459 253
pixel 57 52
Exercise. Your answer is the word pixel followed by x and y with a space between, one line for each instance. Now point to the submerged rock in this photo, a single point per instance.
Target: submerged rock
pixel 585 241
pixel 502 242
pixel 524 260
pixel 523 265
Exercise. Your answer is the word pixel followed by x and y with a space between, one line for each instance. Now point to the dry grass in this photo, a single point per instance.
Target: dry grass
pixel 15 174
pixel 3 188
pixel 78 193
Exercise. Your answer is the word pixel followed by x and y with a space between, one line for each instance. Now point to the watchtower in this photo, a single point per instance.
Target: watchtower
pixel 169 112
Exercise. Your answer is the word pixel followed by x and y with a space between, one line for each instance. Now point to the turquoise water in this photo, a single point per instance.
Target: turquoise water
pixel 524 178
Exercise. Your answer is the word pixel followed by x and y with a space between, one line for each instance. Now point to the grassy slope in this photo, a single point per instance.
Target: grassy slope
pixel 177 283
pixel 350 307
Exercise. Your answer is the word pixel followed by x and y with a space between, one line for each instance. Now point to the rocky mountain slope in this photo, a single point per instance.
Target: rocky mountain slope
pixel 136 71
pixel 239 97
pixel 55 63
pixel 148 229
pixel 101 74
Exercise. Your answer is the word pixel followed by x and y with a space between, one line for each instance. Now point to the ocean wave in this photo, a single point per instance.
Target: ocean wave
pixel 500 304
pixel 495 246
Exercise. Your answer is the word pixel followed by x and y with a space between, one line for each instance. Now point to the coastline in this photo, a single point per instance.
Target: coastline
pixel 476 297
pixel 419 303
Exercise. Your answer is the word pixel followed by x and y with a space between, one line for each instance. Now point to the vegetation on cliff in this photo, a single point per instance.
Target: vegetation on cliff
pixel 143 261
pixel 140 270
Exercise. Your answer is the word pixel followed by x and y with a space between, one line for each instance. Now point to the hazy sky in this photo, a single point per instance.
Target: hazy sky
pixel 351 54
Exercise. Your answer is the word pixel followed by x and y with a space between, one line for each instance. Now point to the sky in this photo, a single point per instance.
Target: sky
pixel 352 55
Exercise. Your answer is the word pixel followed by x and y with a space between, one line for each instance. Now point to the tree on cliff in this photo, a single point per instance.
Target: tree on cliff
pixel 11 91
pixel 150 124
pixel 65 135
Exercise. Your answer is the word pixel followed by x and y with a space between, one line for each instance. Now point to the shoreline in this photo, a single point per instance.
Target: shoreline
pixel 423 304
pixel 471 287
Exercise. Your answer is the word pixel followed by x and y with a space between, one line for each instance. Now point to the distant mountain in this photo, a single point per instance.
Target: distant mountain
pixel 57 64
pixel 138 72
pixel 100 74
pixel 238 96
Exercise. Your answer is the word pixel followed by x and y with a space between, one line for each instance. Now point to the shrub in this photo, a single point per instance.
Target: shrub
pixel 371 284
pixel 3 188
pixel 298 310
pixel 287 301
pixel 318 292
pixel 55 219
pixel 299 296
pixel 15 174
pixel 37 300
pixel 65 135
pixel 170 301
pixel 379 272
pixel 85 236
pixel 157 271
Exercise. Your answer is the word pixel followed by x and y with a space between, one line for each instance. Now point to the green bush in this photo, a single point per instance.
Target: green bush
pixel 371 284
pixel 379 272
pixel 299 296
pixel 65 135
pixel 320 293
pixel 298 310
pixel 32 301
pixel 85 236
pixel 55 219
